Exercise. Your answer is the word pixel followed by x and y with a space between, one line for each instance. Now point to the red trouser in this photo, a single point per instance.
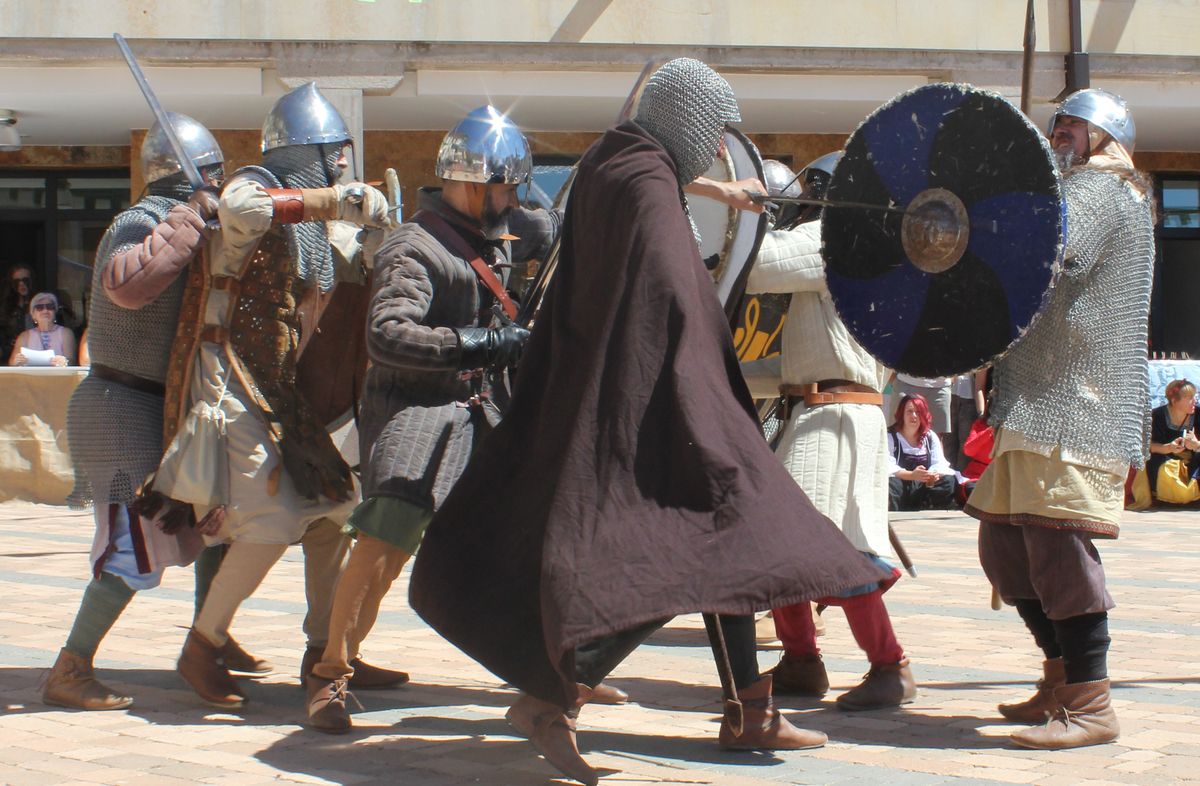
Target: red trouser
pixel 869 623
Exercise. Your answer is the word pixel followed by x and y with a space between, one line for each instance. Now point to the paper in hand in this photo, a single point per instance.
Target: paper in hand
pixel 37 357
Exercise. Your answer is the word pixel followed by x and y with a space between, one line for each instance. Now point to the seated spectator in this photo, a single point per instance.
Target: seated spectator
pixel 46 335
pixel 920 477
pixel 1174 461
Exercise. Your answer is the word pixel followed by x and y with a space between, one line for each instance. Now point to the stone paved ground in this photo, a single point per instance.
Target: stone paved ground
pixel 448 727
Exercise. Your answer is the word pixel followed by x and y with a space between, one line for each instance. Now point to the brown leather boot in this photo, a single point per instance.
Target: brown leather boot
pixel 201 667
pixel 312 656
pixel 763 728
pixel 72 683
pixel 368 677
pixel 1042 704
pixel 327 705
pixel 802 676
pixel 605 694
pixel 365 677
pixel 1084 716
pixel 887 685
pixel 552 733
pixel 241 663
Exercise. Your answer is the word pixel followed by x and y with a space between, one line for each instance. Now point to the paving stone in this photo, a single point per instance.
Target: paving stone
pixel 447 728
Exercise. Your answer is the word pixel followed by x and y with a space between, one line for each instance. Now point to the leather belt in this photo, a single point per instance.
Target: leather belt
pixel 140 384
pixel 827 391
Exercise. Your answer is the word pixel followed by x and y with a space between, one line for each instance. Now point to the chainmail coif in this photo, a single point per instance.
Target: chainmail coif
pixel 1079 378
pixel 307 166
pixel 685 106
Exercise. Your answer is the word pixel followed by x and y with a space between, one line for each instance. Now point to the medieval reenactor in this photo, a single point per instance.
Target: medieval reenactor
pixel 115 417
pixel 833 443
pixel 440 338
pixel 244 446
pixel 629 481
pixel 1070 403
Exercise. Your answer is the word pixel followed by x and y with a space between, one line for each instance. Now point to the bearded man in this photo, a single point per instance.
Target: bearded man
pixel 1070 403
pixel 115 417
pixel 247 451
pixel 440 338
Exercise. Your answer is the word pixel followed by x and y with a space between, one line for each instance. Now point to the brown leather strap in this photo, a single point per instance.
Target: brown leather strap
pixel 288 204
pixel 441 229
pixel 227 284
pixel 831 391
pixel 140 384
pixel 214 334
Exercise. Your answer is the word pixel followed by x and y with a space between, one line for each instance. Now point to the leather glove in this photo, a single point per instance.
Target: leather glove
pixel 205 202
pixel 362 204
pixel 491 347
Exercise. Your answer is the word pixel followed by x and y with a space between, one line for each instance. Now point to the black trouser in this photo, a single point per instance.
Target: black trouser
pixel 595 660
pixel 1082 642
pixel 915 495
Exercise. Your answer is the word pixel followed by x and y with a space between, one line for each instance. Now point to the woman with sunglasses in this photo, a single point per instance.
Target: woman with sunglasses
pixel 45 334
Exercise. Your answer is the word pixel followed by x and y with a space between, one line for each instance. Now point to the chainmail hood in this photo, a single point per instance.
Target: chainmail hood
pixel 306 166
pixel 1079 378
pixel 685 106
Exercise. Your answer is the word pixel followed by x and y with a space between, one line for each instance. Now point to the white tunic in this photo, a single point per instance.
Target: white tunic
pixel 263 505
pixel 836 452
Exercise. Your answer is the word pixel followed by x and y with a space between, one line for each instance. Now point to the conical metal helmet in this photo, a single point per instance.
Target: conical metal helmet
pixel 304 117
pixel 1107 111
pixel 485 147
pixel 158 157
pixel 780 179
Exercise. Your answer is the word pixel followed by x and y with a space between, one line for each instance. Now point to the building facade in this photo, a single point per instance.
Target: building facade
pixel 403 71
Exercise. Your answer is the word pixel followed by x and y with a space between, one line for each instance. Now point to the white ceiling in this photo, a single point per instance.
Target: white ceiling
pixel 99 105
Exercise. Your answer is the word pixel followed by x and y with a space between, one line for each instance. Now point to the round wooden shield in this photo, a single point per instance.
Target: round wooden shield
pixel 954 264
pixel 729 238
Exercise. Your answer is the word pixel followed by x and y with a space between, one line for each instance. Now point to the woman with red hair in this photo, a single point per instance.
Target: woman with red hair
pixel 920 477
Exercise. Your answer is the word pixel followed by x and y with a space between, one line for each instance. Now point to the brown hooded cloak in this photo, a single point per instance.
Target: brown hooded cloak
pixel 629 480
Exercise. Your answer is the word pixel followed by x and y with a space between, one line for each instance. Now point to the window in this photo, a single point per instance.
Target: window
pixel 1180 203
pixel 53 221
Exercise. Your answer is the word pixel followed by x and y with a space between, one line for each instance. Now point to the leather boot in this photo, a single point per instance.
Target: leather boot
pixel 72 683
pixel 887 685
pixel 327 705
pixel 552 733
pixel 201 667
pixel 605 694
pixel 368 677
pixel 1041 705
pixel 1084 716
pixel 802 676
pixel 763 728
pixel 241 663
pixel 365 677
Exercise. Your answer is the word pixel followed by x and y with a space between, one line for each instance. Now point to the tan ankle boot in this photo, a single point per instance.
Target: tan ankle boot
pixel 327 705
pixel 72 683
pixel 1084 716
pixel 241 663
pixel 802 676
pixel 763 728
pixel 886 685
pixel 552 733
pixel 202 668
pixel 1041 705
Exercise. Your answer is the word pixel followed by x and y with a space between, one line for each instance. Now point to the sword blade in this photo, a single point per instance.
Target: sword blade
pixel 185 162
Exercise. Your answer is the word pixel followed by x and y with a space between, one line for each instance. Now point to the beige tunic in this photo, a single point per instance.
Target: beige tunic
pixel 256 513
pixel 836 452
